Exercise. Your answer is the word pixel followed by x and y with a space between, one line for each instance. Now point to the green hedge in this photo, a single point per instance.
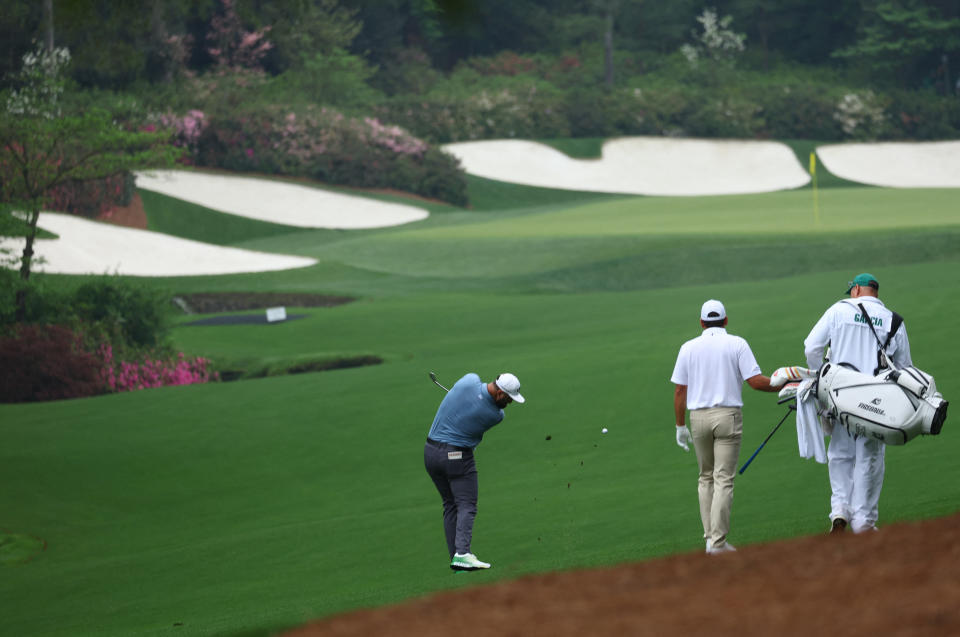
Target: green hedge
pixel 729 104
pixel 108 308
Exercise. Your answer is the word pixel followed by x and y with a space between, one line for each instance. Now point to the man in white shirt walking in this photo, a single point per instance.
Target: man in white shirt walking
pixel 856 465
pixel 709 375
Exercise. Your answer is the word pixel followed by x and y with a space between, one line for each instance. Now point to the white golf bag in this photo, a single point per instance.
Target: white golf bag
pixel 894 407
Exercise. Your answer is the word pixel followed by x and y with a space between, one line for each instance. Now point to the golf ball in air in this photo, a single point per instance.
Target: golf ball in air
pixel 604 430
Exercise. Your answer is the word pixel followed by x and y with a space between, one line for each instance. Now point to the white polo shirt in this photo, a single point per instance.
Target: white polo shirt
pixel 845 330
pixel 713 366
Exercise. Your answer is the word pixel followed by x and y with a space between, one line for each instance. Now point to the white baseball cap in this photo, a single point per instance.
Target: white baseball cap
pixel 713 310
pixel 510 384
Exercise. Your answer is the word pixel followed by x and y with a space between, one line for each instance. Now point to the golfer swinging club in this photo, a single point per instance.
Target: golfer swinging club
pixel 469 409
pixel 709 376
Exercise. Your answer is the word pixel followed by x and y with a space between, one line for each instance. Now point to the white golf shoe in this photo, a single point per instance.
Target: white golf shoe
pixel 467 562
pixel 726 547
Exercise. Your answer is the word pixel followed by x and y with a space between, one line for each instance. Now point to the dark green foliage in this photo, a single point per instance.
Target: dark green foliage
pixel 133 45
pixel 798 111
pixel 469 107
pixel 138 314
pixel 924 116
pixel 128 314
pixel 669 102
pixel 904 39
pixel 439 177
pixel 41 305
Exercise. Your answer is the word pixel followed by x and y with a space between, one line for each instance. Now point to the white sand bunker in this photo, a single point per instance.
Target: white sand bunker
pixel 277 201
pixel 91 247
pixel 898 165
pixel 641 166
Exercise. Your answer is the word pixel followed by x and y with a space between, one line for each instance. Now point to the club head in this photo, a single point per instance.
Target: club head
pixel 436 382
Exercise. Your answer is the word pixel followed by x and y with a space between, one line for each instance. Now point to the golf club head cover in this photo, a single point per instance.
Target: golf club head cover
pixel 784 374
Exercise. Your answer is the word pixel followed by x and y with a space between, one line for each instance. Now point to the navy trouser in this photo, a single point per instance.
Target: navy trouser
pixel 455 474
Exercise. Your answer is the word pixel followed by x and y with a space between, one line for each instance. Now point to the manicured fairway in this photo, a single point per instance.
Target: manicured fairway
pixel 242 508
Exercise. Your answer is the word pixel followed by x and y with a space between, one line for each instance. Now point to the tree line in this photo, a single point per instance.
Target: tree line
pixel 905 44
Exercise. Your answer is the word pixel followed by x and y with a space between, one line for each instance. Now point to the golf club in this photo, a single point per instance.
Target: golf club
pixel 433 377
pixel 792 407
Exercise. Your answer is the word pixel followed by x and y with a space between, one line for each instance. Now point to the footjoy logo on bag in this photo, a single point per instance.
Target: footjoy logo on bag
pixel 875 410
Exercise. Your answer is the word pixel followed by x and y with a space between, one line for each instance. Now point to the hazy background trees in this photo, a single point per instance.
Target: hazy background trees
pixel 907 44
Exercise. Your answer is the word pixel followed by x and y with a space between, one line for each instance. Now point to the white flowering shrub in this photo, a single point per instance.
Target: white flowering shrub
pixel 861 116
pixel 717 41
pixel 40 83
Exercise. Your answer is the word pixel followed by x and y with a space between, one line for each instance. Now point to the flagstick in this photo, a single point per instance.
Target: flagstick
pixel 813 176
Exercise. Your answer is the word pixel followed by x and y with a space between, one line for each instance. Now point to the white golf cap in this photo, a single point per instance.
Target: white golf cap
pixel 713 310
pixel 510 384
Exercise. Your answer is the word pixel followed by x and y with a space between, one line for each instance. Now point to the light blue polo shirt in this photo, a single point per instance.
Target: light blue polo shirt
pixel 466 412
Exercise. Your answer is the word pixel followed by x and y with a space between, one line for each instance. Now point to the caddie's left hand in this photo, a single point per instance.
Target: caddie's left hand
pixel 684 438
pixel 784 374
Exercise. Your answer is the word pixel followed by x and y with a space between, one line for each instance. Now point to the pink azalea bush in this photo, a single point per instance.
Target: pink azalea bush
pixel 324 144
pixel 121 375
pixel 52 362
pixel 185 130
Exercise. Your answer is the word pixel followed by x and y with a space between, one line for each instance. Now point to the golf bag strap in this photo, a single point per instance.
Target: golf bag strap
pixel 895 324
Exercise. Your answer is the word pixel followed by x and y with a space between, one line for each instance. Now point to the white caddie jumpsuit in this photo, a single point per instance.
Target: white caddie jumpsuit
pixel 856 466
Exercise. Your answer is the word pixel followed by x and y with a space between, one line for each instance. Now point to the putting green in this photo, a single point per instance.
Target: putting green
pixel 839 210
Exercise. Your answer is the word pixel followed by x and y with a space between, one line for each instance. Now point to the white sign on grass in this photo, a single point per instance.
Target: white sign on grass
pixel 275 314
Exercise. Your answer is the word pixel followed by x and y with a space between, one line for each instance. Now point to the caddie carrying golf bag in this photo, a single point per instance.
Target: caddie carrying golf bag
pixel 894 407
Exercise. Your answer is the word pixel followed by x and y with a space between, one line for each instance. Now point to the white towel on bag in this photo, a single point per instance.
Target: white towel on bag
pixel 809 433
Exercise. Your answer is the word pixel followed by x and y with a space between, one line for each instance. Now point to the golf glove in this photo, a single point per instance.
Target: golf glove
pixel 789 390
pixel 784 374
pixel 684 438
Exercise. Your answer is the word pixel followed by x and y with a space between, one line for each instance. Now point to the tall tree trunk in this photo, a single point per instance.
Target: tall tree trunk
pixel 158 40
pixel 25 262
pixel 31 235
pixel 48 24
pixel 608 50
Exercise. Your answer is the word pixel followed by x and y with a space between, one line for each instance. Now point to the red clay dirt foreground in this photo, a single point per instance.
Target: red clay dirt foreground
pixel 899 581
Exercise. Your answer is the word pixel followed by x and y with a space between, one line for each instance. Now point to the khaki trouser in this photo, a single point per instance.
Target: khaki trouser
pixel 716 439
